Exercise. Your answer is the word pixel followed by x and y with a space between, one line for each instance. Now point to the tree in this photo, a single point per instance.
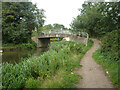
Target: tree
pixel 97 18
pixel 18 21
pixel 39 18
pixel 58 26
pixel 47 27
pixel 53 27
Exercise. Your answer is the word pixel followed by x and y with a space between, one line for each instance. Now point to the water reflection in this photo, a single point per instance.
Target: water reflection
pixel 39 51
pixel 15 55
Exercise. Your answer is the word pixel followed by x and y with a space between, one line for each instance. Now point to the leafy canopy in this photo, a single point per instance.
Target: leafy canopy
pixel 18 21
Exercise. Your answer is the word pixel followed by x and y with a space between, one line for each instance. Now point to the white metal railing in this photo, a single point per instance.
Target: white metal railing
pixel 58 32
pixel 82 34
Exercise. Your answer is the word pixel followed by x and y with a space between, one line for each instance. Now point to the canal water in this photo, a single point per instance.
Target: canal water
pixel 15 55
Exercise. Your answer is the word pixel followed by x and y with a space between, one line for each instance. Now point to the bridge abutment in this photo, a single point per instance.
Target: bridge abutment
pixel 43 42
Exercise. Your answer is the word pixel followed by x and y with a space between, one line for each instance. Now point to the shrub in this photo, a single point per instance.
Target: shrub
pixel 111 67
pixel 25 73
pixel 110 45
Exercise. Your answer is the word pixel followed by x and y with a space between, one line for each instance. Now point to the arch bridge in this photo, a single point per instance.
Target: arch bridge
pixel 44 39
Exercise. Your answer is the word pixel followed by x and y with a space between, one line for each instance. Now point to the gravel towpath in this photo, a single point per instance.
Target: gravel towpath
pixel 93 75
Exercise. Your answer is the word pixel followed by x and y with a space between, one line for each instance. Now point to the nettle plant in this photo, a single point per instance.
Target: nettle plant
pixel 42 67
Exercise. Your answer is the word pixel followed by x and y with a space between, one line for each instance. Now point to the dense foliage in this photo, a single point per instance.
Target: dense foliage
pixel 18 21
pixel 110 45
pixel 37 72
pixel 109 56
pixel 101 20
pixel 22 45
pixel 97 18
pixel 111 67
pixel 54 27
pixel 49 27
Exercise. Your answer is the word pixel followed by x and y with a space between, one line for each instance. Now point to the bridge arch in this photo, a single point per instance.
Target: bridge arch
pixel 44 40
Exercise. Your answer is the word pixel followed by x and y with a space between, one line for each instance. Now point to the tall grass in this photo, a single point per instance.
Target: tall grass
pixel 110 66
pixel 108 55
pixel 54 65
pixel 22 45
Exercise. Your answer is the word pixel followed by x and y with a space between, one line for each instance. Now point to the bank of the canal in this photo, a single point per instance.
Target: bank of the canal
pixel 16 53
pixel 22 45
pixel 53 69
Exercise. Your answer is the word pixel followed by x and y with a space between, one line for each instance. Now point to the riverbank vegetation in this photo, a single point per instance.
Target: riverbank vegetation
pixel 19 19
pixel 22 45
pixel 101 20
pixel 110 66
pixel 55 39
pixel 97 18
pixel 108 56
pixel 53 69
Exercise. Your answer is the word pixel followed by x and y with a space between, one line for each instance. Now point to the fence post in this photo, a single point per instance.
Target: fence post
pixel 87 39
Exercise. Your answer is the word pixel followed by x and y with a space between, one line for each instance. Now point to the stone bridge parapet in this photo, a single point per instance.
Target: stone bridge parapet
pixel 44 40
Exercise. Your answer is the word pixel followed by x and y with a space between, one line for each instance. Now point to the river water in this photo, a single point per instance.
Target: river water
pixel 15 55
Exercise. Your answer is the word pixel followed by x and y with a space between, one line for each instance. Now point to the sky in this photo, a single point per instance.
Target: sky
pixel 59 11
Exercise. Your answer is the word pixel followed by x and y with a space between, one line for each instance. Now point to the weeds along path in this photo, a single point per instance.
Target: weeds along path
pixel 93 75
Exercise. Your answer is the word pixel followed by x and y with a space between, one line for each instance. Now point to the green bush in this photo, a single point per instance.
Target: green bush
pixel 26 45
pixel 33 83
pixel 110 45
pixel 43 67
pixel 110 66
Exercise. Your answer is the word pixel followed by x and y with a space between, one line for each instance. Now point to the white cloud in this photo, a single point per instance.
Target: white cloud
pixel 59 11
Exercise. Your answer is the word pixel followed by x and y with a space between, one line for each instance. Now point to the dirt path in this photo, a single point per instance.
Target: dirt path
pixel 93 74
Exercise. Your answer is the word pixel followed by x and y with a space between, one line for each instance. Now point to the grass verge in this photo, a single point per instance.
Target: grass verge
pixel 110 66
pixel 26 45
pixel 53 69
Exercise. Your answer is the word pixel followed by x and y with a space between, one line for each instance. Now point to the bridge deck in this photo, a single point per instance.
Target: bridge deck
pixel 47 37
